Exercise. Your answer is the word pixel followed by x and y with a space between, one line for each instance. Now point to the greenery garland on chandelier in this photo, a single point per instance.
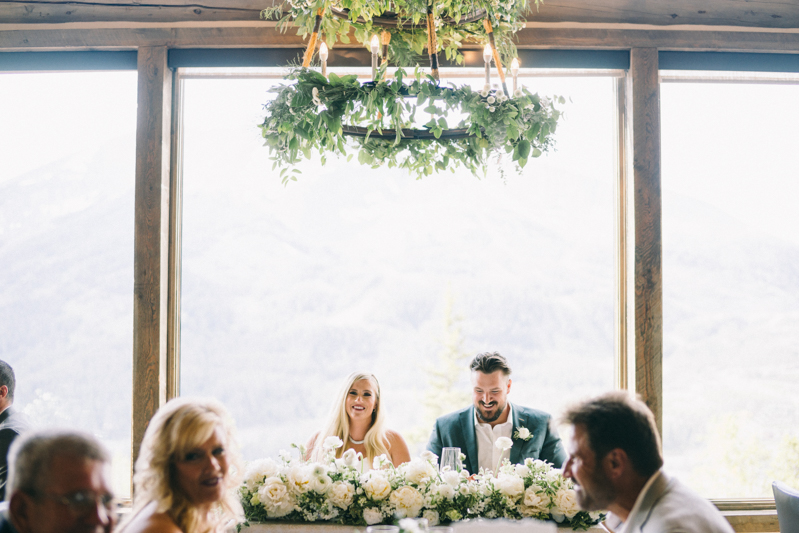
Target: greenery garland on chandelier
pixel 328 114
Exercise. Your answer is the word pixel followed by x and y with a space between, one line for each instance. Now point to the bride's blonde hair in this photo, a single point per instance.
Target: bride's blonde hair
pixel 181 425
pixel 338 423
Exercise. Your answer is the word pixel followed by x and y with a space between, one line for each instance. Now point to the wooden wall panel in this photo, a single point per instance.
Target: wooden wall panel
pixel 150 269
pixel 644 122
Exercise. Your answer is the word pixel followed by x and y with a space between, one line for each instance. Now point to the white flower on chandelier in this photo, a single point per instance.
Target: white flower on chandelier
pixel 491 100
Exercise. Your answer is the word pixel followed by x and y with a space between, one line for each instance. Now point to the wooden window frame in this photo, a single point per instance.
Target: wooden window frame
pixel 639 313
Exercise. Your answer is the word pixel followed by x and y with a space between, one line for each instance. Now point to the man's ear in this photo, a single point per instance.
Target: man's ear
pixel 615 463
pixel 509 382
pixel 19 511
pixel 3 392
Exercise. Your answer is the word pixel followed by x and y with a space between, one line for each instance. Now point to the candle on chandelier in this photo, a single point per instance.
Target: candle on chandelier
pixel 375 45
pixel 514 70
pixel 487 58
pixel 323 58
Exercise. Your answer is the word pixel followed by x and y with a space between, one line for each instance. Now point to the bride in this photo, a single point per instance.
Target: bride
pixel 357 419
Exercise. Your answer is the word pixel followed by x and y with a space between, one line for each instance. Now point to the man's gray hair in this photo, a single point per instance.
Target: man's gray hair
pixel 31 457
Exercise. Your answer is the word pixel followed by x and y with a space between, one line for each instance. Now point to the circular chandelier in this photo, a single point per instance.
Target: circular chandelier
pixel 324 113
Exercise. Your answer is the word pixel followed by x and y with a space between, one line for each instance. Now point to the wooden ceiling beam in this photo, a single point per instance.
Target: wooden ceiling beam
pixel 262 37
pixel 748 13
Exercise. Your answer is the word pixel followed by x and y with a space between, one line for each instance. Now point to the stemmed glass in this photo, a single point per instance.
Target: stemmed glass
pixel 450 457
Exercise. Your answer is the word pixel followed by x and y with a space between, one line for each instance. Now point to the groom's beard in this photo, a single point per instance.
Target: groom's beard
pixel 481 414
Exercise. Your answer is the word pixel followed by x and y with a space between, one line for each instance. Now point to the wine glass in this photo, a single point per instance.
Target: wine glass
pixel 450 457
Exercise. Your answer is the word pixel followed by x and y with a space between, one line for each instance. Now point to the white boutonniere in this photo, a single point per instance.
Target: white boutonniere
pixel 523 434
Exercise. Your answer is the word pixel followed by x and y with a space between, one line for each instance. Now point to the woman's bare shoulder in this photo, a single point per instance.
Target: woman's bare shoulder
pixel 397 447
pixel 151 522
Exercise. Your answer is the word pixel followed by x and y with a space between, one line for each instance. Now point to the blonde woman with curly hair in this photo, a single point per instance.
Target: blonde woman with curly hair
pixel 358 420
pixel 187 471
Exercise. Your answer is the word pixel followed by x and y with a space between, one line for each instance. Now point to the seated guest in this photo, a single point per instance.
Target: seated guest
pixel 357 419
pixel 476 428
pixel 615 462
pixel 187 471
pixel 12 423
pixel 58 482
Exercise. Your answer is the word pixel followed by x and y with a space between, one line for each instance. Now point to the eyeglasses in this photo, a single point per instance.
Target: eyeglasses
pixel 82 503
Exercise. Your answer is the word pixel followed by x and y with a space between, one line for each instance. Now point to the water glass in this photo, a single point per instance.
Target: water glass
pixel 450 457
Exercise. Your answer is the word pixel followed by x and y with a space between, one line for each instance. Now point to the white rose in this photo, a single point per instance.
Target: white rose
pixel 524 433
pixel 376 486
pixel 299 479
pixel 372 516
pixel 566 502
pixel 521 470
pixel 503 443
pixel 509 485
pixel 451 478
pixel 419 472
pixel 275 498
pixel 341 494
pixel 332 442
pixel 554 475
pixel 321 484
pixel 432 517
pixel 318 470
pixel 407 501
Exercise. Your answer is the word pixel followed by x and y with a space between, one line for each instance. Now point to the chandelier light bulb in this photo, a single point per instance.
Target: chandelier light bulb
pixel 487 53
pixel 375 44
pixel 323 52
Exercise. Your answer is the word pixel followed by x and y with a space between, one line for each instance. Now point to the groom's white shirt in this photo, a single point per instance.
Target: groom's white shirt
pixel 488 455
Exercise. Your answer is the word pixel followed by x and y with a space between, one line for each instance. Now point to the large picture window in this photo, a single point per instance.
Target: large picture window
pixel 287 289
pixel 731 285
pixel 67 146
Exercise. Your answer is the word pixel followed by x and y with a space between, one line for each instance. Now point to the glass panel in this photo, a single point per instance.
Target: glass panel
pixel 286 290
pixel 67 146
pixel 731 286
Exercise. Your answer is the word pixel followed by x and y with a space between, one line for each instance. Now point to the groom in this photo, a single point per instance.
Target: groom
pixel 475 429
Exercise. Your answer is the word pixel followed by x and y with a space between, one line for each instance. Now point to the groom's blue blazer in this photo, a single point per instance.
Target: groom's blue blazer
pixel 457 430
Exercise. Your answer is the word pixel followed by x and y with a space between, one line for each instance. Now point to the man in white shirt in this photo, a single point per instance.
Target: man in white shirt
pixel 475 429
pixel 616 464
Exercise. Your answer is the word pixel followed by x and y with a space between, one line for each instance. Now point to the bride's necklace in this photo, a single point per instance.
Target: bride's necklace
pixel 357 441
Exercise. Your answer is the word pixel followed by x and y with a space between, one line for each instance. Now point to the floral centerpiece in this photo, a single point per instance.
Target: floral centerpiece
pixel 313 113
pixel 344 491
